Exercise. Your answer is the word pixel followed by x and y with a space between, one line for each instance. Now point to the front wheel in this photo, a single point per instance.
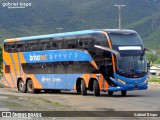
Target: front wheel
pixel 96 88
pixel 22 86
pixel 123 93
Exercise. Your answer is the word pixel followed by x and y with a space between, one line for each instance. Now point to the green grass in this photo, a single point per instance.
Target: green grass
pixel 13 104
pixel 154 78
pixel 43 100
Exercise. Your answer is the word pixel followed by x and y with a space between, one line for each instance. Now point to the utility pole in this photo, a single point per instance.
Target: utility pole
pixel 119 6
pixel 59 29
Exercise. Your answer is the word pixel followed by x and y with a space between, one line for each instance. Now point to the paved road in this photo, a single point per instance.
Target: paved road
pixel 146 100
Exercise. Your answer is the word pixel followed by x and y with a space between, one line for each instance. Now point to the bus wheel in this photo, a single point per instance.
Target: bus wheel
pixel 83 88
pixel 123 93
pixel 110 92
pixel 30 86
pixel 22 86
pixel 96 88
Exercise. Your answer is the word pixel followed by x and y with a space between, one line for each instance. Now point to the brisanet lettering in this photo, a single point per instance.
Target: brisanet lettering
pixel 38 57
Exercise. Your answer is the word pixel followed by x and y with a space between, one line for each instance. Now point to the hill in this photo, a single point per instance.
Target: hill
pixel 44 16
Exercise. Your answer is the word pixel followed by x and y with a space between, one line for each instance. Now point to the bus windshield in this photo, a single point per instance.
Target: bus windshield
pixel 125 39
pixel 132 65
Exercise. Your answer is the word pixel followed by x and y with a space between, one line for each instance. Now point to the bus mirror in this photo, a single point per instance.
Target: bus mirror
pixel 116 53
pixel 155 54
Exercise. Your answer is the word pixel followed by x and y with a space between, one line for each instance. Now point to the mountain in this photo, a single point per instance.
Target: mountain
pixel 44 16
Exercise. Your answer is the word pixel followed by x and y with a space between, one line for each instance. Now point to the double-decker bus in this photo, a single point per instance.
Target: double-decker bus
pixel 95 60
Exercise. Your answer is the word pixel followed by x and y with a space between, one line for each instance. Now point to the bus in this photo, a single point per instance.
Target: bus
pixel 108 60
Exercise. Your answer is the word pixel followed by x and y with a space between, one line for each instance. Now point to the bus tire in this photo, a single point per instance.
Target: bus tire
pixel 110 93
pixel 22 86
pixel 96 88
pixel 30 87
pixel 123 93
pixel 83 88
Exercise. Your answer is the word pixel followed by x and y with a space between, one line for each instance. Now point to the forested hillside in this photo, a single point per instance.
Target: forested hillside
pixel 44 16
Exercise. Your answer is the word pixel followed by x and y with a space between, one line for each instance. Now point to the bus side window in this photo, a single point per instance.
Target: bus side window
pixel 32 46
pixel 10 47
pixel 46 46
pixel 43 44
pixel 20 46
pixel 7 68
pixel 70 44
pixel 6 47
pixel 56 45
pixel 49 69
pixel 53 45
pixel 40 46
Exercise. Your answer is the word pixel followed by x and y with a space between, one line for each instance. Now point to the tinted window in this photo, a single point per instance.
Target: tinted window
pixel 125 39
pixel 7 68
pixel 69 67
pixel 57 43
pixel 20 46
pixel 9 47
pixel 71 44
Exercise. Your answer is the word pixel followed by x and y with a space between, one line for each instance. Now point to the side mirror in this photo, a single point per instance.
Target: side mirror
pixel 116 53
pixel 155 54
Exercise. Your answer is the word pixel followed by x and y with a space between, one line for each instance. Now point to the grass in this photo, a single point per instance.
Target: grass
pixel 154 78
pixel 43 100
pixel 13 104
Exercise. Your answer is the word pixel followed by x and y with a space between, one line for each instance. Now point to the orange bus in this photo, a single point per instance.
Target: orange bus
pixel 95 60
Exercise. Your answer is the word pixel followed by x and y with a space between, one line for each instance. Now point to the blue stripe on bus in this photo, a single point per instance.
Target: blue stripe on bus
pixel 19 64
pixel 56 56
pixel 57 81
pixel 10 74
pixel 13 65
pixel 6 81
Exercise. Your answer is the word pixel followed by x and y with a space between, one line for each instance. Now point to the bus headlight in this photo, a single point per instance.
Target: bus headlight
pixel 121 81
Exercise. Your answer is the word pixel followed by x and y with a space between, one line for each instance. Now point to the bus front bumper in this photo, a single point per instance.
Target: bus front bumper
pixel 127 87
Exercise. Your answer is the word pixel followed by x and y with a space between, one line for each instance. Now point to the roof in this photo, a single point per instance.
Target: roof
pixel 67 34
pixel 119 31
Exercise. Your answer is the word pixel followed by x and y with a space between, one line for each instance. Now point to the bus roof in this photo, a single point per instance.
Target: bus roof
pixel 67 34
